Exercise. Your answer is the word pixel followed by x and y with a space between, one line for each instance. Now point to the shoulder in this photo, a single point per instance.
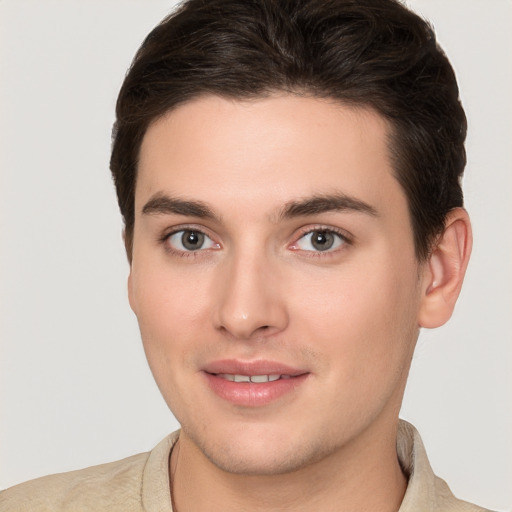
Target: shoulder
pixel 425 492
pixel 446 501
pixel 115 486
pixel 136 484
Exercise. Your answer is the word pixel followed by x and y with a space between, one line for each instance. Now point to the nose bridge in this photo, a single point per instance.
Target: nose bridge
pixel 249 302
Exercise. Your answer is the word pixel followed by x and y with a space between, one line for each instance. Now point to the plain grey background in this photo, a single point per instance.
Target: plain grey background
pixel 75 389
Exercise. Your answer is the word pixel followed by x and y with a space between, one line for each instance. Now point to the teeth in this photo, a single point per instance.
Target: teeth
pixel 226 376
pixel 259 378
pixel 252 378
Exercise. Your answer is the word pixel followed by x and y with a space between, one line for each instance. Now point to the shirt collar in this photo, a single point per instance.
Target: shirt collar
pixel 425 491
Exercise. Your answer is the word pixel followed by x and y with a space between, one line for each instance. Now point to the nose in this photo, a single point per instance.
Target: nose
pixel 250 303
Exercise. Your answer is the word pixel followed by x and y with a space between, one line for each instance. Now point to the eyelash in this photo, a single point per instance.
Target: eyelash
pixel 344 238
pixel 164 240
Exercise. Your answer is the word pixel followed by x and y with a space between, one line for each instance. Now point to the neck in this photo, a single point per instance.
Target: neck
pixel 363 475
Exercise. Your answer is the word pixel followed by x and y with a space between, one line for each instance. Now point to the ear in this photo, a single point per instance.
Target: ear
pixel 128 244
pixel 445 270
pixel 130 277
pixel 131 295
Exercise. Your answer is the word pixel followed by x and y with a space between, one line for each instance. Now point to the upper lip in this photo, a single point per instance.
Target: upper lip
pixel 257 367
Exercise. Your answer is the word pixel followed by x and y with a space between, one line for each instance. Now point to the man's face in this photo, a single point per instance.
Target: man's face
pixel 271 242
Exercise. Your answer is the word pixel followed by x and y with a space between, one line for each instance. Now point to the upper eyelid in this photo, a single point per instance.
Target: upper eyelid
pixel 166 233
pixel 348 237
pixel 164 240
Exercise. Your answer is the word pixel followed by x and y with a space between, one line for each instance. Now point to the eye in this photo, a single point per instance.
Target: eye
pixel 187 240
pixel 319 240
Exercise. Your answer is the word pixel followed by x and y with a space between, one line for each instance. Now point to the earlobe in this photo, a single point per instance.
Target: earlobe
pixel 445 270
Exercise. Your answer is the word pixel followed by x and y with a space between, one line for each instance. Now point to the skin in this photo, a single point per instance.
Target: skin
pixel 258 289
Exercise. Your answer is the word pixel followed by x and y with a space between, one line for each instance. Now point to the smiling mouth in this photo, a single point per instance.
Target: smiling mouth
pixel 257 379
pixel 257 384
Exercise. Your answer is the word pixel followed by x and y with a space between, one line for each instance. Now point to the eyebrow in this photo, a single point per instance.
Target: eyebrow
pixel 162 204
pixel 314 205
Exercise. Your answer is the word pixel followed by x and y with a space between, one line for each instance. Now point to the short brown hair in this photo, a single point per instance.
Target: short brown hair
pixel 372 53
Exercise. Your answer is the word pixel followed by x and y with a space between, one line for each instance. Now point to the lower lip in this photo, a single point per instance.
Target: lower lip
pixel 251 394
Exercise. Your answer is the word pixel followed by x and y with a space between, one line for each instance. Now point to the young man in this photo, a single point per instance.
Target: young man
pixel 288 173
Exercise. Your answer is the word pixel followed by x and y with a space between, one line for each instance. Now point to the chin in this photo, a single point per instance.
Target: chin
pixel 258 453
pixel 266 463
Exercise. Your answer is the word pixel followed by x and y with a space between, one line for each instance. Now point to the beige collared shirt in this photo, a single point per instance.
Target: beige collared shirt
pixel 141 484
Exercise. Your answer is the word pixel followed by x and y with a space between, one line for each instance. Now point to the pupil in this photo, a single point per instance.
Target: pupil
pixel 192 240
pixel 322 240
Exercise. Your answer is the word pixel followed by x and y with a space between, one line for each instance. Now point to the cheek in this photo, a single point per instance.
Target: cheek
pixel 166 298
pixel 169 306
pixel 364 317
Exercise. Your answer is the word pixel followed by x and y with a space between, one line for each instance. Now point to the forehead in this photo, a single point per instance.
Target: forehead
pixel 267 150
